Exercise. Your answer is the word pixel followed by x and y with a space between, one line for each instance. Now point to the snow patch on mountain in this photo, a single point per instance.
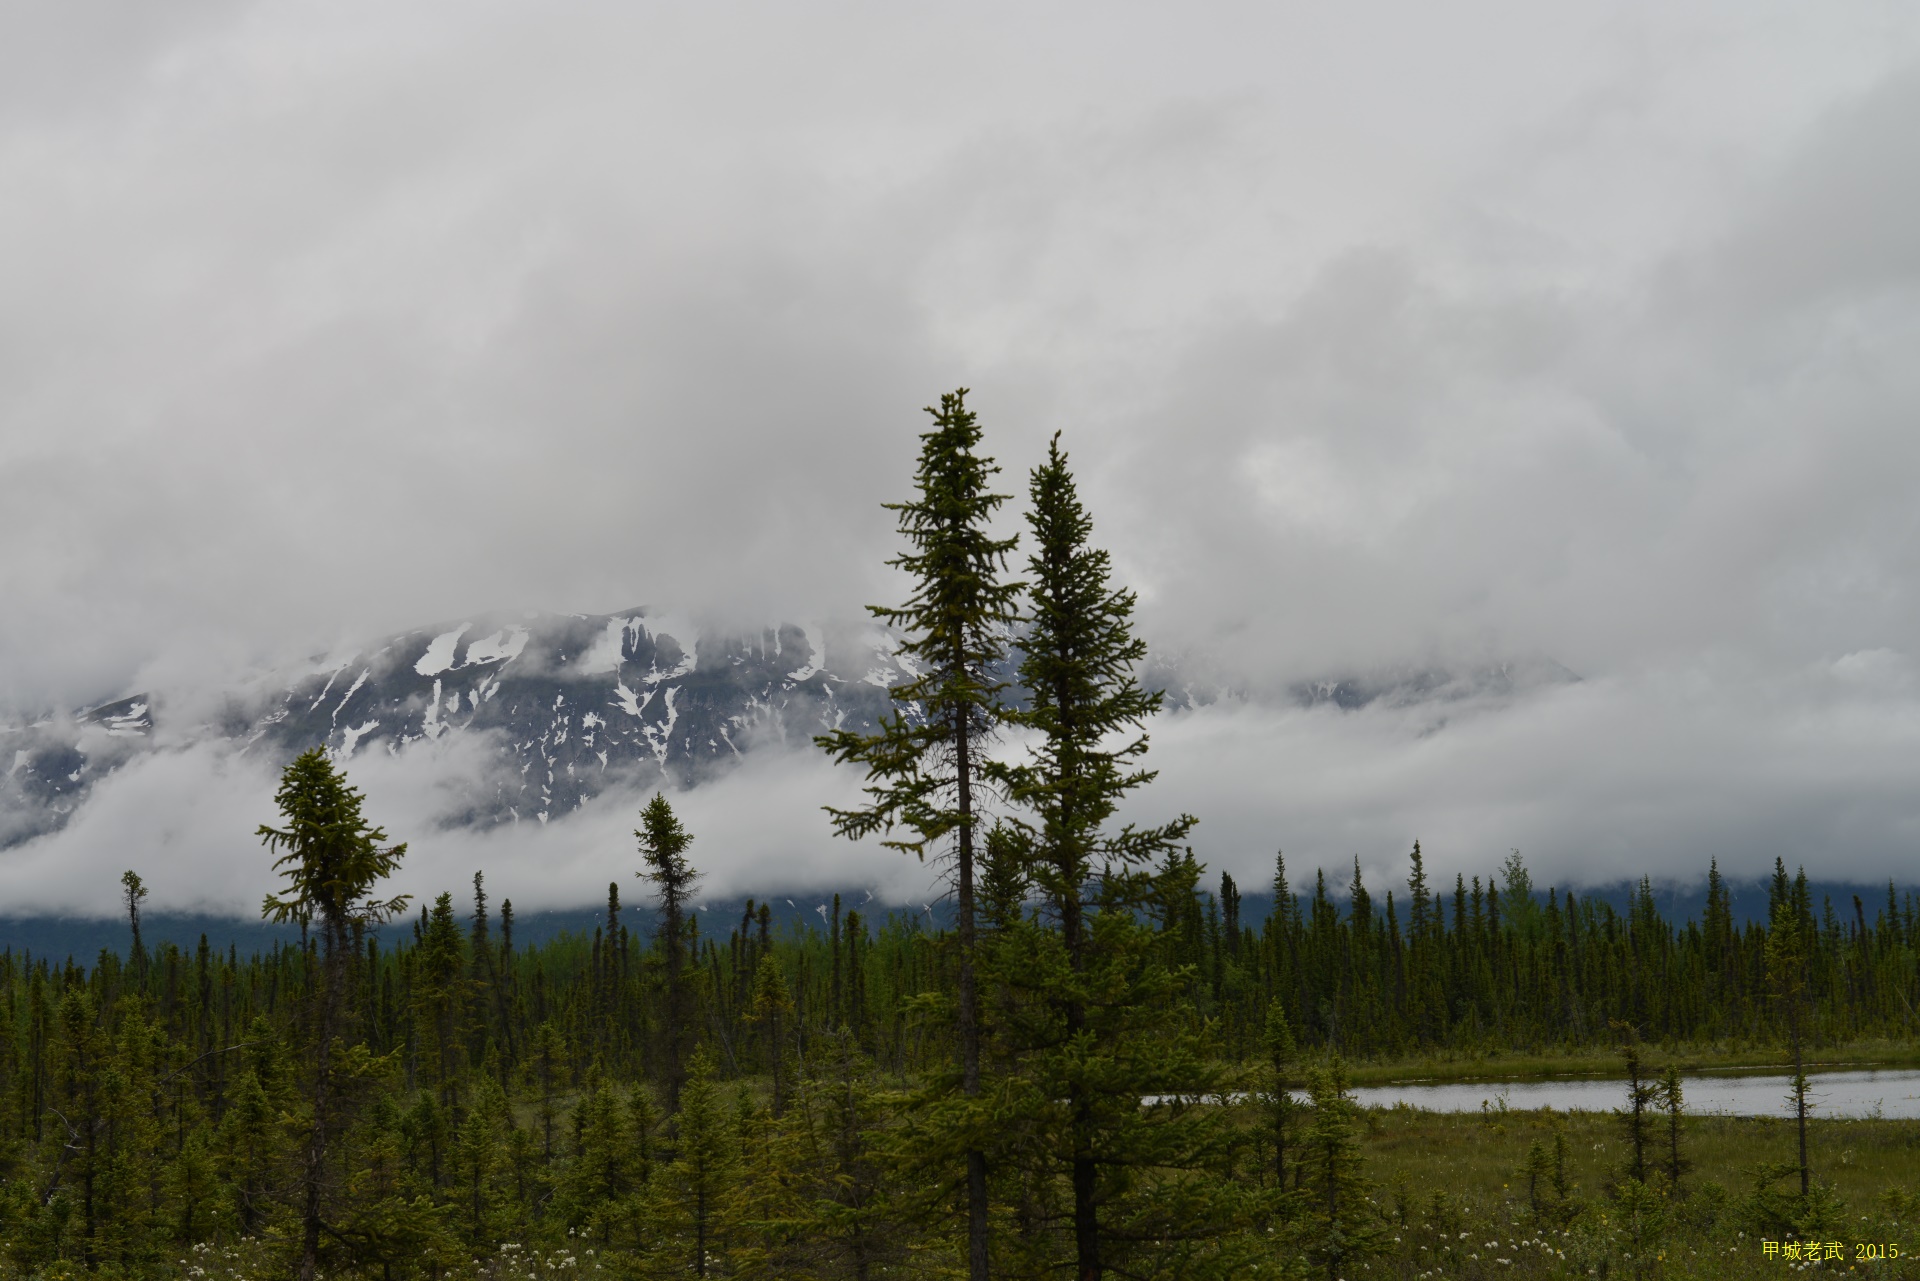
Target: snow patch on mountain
pixel 503 645
pixel 816 654
pixel 350 739
pixel 606 652
pixel 439 655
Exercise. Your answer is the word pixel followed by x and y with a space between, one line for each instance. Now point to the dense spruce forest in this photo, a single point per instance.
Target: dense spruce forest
pixel 1096 1069
pixel 506 1098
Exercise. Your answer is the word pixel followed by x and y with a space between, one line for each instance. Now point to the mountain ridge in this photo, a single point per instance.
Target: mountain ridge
pixel 571 705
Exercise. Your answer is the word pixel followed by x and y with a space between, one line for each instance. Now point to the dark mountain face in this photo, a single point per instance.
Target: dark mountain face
pixel 51 763
pixel 1433 685
pixel 576 703
pixel 567 706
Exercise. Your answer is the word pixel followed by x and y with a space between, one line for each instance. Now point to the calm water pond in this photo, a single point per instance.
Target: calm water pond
pixel 1886 1093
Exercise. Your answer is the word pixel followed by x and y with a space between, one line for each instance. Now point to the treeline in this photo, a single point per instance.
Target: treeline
pixel 1485 969
pixel 452 996
pixel 1097 1070
pixel 1500 966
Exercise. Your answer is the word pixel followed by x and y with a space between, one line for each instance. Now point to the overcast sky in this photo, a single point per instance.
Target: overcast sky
pixel 1380 334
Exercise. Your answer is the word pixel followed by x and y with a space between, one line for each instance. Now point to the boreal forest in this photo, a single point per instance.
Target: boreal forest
pixel 1090 1066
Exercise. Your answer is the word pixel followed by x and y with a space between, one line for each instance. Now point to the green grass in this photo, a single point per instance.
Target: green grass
pixel 1482 1156
pixel 1441 1175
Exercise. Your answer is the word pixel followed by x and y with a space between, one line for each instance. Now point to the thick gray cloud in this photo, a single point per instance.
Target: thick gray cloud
pixel 1386 335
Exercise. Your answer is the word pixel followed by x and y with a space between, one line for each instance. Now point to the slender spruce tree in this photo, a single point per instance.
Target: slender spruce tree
pixel 133 893
pixel 1643 1092
pixel 1786 960
pixel 924 762
pixel 332 859
pixel 663 847
pixel 1341 1229
pixel 690 1208
pixel 1673 1102
pixel 1277 1095
pixel 1110 1040
pixel 438 1001
pixel 772 1005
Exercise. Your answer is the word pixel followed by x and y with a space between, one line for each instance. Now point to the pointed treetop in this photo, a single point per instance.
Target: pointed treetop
pixel 663 847
pixel 954 629
pixel 330 856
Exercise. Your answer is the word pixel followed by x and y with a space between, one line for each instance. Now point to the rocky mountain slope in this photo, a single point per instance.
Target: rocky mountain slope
pixel 566 706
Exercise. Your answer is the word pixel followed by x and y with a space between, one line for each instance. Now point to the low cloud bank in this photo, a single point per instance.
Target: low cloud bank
pixel 186 821
pixel 1594 782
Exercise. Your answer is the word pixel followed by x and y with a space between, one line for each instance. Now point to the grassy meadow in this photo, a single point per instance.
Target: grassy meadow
pixel 1454 1190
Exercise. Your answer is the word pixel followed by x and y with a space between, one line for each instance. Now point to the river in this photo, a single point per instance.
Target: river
pixel 1889 1093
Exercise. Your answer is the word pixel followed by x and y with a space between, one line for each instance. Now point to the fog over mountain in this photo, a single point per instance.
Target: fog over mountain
pixel 531 718
pixel 1395 348
pixel 559 709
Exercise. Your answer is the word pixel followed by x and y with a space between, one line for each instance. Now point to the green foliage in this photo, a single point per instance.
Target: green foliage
pixel 663 847
pixel 1273 1088
pixel 330 857
pixel 1341 1227
pixel 691 1207
pixel 1636 1117
pixel 597 1192
pixel 772 1007
pixel 1087 1018
pixel 954 628
pixel 855 1204
pixel 925 762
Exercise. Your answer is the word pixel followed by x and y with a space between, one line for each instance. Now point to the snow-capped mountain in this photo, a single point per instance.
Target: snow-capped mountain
pixel 564 707
pixel 568 705
pixel 577 702
pixel 52 762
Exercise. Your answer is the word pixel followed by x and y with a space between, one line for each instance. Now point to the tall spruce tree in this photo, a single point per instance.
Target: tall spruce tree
pixel 595 1192
pixel 1112 1037
pixel 771 1006
pixel 924 763
pixel 133 893
pixel 332 859
pixel 438 1000
pixel 663 847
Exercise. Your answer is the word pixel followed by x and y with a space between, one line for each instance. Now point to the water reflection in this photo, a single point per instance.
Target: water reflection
pixel 1893 1094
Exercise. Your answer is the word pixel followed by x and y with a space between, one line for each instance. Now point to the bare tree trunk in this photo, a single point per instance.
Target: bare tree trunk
pixel 314 1163
pixel 1637 1104
pixel 969 1013
pixel 1086 1214
pixel 1086 1218
pixel 1800 1106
